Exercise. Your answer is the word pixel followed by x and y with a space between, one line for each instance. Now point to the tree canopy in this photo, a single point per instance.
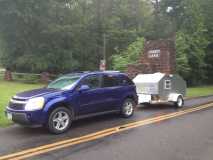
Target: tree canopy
pixel 61 36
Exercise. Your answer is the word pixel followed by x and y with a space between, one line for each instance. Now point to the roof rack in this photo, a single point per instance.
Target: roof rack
pixel 112 71
pixel 82 72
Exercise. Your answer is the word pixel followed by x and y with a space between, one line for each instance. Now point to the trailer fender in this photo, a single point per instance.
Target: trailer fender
pixel 173 97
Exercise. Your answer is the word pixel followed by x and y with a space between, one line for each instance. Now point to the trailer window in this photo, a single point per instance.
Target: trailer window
pixel 167 84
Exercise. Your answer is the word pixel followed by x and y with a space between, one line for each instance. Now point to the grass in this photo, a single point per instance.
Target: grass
pixel 200 91
pixel 8 89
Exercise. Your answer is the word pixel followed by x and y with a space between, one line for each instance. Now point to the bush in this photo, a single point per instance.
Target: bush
pixel 129 56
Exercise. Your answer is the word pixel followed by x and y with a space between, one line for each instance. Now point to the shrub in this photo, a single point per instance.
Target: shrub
pixel 129 56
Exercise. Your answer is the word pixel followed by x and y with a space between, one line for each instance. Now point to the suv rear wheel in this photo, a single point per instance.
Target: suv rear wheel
pixel 128 108
pixel 59 120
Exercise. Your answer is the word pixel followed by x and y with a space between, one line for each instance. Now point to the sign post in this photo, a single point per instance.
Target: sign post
pixel 102 66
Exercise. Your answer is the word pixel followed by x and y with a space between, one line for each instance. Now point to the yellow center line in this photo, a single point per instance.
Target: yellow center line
pixel 97 135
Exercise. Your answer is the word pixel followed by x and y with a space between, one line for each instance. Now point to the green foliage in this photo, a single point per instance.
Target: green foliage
pixel 182 63
pixel 62 36
pixel 67 35
pixel 129 56
pixel 190 51
pixel 207 10
pixel 191 40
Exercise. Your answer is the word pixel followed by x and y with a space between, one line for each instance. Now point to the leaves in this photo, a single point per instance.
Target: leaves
pixel 67 35
pixel 129 56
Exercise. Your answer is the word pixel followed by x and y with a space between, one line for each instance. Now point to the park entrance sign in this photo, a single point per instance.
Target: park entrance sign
pixel 158 56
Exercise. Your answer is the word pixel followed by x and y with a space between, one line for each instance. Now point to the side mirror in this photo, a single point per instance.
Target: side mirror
pixel 84 88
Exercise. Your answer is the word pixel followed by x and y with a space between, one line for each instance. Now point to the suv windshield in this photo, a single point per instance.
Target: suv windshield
pixel 64 83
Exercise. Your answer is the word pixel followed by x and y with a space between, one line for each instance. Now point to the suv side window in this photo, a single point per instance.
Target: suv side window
pixel 92 81
pixel 125 81
pixel 109 81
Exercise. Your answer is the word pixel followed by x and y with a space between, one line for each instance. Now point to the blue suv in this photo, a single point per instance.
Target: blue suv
pixel 74 96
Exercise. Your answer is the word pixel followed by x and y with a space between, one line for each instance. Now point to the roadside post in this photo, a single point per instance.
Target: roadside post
pixel 102 66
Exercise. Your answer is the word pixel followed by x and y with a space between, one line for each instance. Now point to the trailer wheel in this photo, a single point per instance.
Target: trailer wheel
pixel 180 102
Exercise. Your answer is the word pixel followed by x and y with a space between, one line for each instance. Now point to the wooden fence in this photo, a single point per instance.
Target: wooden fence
pixel 27 77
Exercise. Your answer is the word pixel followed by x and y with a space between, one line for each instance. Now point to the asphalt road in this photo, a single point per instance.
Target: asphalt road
pixel 187 137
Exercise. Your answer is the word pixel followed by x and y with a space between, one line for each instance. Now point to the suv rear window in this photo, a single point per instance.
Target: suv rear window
pixel 125 81
pixel 109 81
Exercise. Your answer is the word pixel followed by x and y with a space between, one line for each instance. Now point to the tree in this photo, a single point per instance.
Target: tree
pixel 67 35
pixel 34 36
pixel 129 56
pixel 182 63
pixel 207 10
pixel 188 22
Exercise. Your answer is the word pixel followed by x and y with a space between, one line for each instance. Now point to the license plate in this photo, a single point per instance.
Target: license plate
pixel 143 98
pixel 9 116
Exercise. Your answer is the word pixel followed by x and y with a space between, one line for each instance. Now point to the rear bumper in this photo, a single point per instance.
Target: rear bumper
pixel 25 117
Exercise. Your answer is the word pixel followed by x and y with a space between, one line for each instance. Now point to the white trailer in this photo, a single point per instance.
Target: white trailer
pixel 160 88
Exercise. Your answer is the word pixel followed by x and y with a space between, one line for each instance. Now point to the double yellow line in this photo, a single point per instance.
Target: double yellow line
pixel 97 135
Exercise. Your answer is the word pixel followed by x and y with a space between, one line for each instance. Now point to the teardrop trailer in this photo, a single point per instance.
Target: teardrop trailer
pixel 160 88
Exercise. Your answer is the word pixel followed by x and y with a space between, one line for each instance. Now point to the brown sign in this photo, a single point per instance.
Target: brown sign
pixel 158 56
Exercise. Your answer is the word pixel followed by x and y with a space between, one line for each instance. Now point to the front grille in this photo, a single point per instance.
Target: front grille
pixel 20 118
pixel 16 106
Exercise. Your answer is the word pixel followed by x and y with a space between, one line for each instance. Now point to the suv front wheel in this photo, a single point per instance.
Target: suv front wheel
pixel 128 108
pixel 59 120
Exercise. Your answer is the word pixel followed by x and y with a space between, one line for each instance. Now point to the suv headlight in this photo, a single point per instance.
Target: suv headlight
pixel 35 104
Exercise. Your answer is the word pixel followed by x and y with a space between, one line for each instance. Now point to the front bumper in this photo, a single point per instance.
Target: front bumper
pixel 25 117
